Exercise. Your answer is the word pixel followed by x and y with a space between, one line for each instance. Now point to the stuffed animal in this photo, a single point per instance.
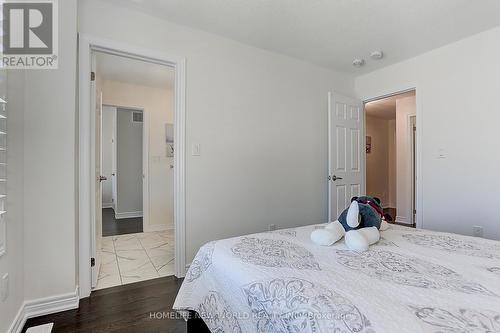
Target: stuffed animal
pixel 359 223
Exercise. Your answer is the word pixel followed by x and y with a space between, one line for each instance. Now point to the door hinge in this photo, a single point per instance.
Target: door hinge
pixel 92 76
pixel 92 262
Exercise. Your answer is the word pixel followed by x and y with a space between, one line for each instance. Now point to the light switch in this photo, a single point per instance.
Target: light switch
pixel 196 151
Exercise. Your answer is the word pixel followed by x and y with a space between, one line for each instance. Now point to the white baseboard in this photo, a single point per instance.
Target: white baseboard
pixel 127 215
pixel 19 321
pixel 107 205
pixel 157 227
pixel 42 307
pixel 402 219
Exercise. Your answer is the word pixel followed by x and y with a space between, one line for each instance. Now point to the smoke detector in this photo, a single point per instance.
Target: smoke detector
pixel 358 62
pixel 377 55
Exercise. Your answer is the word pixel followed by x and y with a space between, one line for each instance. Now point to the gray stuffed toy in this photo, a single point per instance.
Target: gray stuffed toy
pixel 360 223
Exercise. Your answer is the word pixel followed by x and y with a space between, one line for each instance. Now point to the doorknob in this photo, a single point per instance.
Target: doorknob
pixel 102 178
pixel 334 178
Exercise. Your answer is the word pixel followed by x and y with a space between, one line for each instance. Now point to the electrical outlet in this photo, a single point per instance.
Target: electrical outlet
pixel 4 287
pixel 272 227
pixel 477 231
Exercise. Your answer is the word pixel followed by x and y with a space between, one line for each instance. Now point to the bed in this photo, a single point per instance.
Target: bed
pixel 411 281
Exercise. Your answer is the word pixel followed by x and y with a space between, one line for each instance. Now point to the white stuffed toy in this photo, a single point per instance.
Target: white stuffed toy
pixel 360 224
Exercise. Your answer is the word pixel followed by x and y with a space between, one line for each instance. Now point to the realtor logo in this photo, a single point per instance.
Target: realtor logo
pixel 29 38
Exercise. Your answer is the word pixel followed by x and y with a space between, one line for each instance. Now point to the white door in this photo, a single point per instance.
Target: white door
pixel 113 162
pixel 346 154
pixel 95 247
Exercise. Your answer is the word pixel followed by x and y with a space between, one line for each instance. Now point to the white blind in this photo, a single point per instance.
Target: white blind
pixel 3 160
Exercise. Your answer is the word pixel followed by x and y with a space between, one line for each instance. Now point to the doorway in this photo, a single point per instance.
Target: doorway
pixel 390 153
pixel 134 161
pixel 122 144
pixel 87 216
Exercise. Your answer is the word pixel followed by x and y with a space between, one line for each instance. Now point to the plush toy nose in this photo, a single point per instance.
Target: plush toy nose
pixel 352 217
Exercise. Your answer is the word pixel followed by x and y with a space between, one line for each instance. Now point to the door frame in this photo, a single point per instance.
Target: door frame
pixel 86 174
pixel 419 223
pixel 412 123
pixel 144 158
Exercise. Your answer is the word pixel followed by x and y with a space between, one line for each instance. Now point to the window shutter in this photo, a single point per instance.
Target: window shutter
pixel 3 161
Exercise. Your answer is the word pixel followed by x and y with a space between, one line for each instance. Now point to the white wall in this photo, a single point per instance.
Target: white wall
pixel 108 119
pixel 261 120
pixel 405 107
pixel 50 171
pixel 157 103
pixel 377 162
pixel 129 166
pixel 12 262
pixel 458 111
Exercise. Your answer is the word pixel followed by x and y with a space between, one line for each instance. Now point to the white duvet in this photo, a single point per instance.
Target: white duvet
pixel 411 281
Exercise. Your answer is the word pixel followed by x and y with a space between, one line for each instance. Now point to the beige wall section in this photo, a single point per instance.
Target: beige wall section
pixel 12 262
pixel 377 162
pixel 405 107
pixel 261 120
pixel 50 170
pixel 158 104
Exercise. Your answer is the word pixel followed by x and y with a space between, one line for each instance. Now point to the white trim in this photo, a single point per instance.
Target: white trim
pixel 329 119
pixel 420 121
pixel 42 307
pixel 19 321
pixel 107 205
pixel 402 219
pixel 128 215
pixel 157 227
pixel 86 45
pixel 146 204
pixel 413 197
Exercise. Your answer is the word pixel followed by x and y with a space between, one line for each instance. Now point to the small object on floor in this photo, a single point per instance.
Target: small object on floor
pixel 47 328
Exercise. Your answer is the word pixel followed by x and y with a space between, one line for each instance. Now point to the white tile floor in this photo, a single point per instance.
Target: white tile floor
pixel 136 257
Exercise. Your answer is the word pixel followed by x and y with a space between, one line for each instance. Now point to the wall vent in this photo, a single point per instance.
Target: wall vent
pixel 137 117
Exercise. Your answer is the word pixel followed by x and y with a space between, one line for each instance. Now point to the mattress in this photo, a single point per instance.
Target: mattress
pixel 411 281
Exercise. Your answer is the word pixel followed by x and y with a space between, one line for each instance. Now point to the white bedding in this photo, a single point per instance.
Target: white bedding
pixel 411 281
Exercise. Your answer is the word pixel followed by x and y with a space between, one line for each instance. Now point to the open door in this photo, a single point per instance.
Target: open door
pixel 113 164
pixel 346 158
pixel 96 235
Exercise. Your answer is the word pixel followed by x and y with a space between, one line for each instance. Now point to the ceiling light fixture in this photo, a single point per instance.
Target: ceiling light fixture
pixel 358 62
pixel 377 55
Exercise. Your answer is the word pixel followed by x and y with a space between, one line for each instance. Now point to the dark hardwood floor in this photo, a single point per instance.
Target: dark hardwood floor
pixel 112 227
pixel 138 307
